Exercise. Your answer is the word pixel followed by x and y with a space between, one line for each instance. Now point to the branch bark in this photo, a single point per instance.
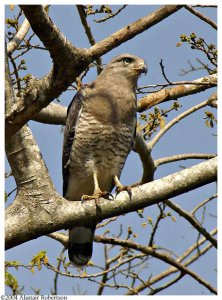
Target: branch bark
pixel 201 16
pixel 158 255
pixel 52 212
pixel 52 114
pixel 192 221
pixel 18 38
pixel 132 30
pixel 176 92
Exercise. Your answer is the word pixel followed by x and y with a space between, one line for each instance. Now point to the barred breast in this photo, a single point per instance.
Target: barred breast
pixel 97 147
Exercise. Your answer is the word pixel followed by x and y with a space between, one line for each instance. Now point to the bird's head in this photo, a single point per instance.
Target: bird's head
pixel 128 66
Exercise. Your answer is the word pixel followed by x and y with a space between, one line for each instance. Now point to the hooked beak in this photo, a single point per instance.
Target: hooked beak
pixel 144 69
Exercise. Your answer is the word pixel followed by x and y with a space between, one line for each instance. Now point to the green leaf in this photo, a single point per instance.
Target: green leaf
pixel 14 263
pixel 11 281
pixel 38 259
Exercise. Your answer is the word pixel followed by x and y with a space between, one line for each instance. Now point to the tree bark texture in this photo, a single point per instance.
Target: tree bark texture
pixel 28 218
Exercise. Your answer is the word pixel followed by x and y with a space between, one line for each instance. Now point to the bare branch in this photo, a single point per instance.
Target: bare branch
pixel 173 158
pixel 145 156
pixel 18 38
pixel 175 121
pixel 9 91
pixel 111 15
pixel 55 212
pixel 202 203
pixel 158 255
pixel 172 270
pixel 192 220
pixel 131 30
pixel 89 34
pixel 52 114
pixel 176 92
pixel 201 16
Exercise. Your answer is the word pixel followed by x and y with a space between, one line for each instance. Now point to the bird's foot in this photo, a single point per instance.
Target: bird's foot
pixel 121 188
pixel 127 188
pixel 96 195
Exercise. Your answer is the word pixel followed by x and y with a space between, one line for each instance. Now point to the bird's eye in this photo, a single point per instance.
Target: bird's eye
pixel 127 60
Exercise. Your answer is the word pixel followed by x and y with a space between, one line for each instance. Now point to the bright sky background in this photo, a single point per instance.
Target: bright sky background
pixel 191 135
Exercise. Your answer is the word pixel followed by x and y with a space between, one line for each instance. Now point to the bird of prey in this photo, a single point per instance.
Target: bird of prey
pixel 99 134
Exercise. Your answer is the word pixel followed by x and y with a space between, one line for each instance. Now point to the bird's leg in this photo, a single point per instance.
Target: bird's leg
pixel 97 191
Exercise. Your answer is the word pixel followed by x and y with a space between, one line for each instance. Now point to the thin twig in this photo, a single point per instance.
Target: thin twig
pixel 60 259
pixel 159 218
pixel 15 72
pixel 202 203
pixel 172 270
pixel 173 158
pixel 160 256
pixel 175 121
pixel 111 15
pixel 89 34
pixel 163 72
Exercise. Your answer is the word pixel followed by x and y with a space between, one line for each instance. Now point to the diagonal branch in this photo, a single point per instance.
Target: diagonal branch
pixel 192 221
pixel 52 212
pixel 48 33
pixel 89 34
pixel 177 92
pixel 173 158
pixel 131 30
pixel 201 16
pixel 18 38
pixel 175 121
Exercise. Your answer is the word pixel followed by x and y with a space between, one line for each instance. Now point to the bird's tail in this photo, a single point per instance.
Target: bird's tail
pixel 81 244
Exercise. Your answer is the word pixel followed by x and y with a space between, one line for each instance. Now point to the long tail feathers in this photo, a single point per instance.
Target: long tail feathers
pixel 81 244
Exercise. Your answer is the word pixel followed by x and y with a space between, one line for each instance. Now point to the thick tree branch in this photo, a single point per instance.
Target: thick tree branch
pixel 52 114
pixel 132 30
pixel 68 63
pixel 53 212
pixel 48 33
pixel 176 92
pixel 145 156
pixel 9 91
pixel 18 38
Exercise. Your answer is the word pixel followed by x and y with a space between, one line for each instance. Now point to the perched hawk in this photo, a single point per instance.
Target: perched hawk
pixel 99 134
